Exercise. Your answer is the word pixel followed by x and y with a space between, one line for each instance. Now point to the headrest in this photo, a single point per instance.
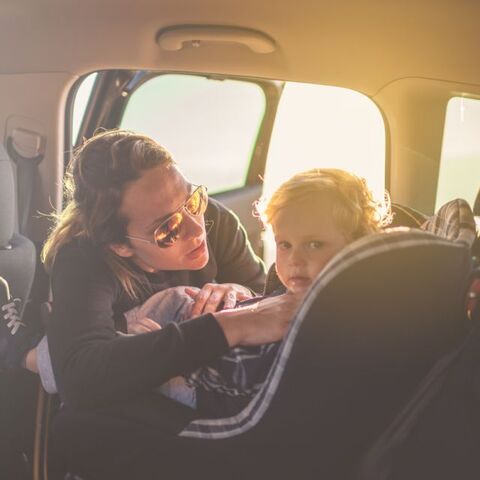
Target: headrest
pixel 7 199
pixel 404 216
pixel 454 221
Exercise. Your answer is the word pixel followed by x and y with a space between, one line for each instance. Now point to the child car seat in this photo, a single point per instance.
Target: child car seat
pixel 375 322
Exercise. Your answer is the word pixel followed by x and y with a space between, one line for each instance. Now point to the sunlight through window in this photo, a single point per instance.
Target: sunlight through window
pixel 321 126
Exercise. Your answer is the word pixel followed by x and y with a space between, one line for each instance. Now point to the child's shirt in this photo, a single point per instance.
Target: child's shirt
pixel 240 373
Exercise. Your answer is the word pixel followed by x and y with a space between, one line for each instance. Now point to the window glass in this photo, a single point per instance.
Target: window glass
pixel 80 104
pixel 320 126
pixel 210 126
pixel 459 175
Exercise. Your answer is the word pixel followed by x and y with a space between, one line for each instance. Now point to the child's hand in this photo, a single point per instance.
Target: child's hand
pixel 208 299
pixel 142 325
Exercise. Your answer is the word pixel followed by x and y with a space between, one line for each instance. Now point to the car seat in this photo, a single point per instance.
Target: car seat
pixel 17 269
pixel 355 352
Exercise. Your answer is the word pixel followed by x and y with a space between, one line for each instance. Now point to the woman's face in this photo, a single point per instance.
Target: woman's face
pixel 146 202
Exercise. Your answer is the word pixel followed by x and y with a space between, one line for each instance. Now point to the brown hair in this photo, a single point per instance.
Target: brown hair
pixel 354 209
pixel 94 185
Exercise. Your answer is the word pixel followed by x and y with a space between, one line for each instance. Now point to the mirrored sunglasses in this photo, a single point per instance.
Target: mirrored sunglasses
pixel 167 233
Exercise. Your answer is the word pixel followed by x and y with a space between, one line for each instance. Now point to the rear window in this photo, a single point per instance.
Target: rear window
pixel 82 97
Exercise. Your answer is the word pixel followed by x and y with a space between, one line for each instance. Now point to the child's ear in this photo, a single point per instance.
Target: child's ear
pixel 121 249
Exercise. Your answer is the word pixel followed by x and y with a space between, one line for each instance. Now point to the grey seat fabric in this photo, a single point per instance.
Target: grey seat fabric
pixel 17 253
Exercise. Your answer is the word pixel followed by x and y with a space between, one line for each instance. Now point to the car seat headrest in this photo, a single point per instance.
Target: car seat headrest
pixel 454 221
pixel 7 200
pixel 403 216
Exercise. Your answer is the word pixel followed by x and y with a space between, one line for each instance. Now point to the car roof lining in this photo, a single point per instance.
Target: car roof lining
pixel 358 44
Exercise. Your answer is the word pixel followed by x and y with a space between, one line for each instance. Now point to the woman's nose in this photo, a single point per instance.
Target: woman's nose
pixel 193 226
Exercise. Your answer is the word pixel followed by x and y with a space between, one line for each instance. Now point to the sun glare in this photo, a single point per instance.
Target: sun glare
pixel 321 126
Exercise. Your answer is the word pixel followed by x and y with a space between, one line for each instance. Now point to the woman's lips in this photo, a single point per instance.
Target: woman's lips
pixel 198 251
pixel 299 281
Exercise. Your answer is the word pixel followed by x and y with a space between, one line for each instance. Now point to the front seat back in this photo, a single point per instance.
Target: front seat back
pixel 17 253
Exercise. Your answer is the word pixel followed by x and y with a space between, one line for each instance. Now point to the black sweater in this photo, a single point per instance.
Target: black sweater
pixel 93 365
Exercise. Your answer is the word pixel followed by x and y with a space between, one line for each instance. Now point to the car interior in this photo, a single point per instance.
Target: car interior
pixel 244 94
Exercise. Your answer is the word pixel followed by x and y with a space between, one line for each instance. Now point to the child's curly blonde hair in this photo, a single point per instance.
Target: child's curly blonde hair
pixel 354 210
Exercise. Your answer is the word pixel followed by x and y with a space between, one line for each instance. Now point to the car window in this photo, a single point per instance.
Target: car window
pixel 80 104
pixel 322 126
pixel 209 125
pixel 459 175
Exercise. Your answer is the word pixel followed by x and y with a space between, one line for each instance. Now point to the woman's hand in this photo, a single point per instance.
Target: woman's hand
pixel 264 322
pixel 141 325
pixel 211 295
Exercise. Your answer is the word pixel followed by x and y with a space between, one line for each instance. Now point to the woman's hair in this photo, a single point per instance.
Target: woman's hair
pixel 354 210
pixel 96 178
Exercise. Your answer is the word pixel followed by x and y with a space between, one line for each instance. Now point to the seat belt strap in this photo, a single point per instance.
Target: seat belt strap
pixel 26 169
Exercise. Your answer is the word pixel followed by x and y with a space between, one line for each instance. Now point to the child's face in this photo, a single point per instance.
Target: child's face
pixel 307 238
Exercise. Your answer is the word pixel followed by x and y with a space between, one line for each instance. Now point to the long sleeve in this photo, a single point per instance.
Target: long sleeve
pixel 92 364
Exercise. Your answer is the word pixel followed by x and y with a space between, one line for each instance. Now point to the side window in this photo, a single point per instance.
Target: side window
pixel 459 175
pixel 322 126
pixel 209 125
pixel 80 104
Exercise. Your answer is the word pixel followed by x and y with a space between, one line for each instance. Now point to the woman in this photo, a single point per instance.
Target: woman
pixel 133 226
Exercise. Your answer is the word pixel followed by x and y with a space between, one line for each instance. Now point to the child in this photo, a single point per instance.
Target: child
pixel 313 215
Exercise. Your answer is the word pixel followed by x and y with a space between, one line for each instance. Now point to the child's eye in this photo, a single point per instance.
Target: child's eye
pixel 315 244
pixel 283 245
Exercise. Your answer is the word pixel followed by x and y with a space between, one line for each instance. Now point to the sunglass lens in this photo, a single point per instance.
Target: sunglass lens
pixel 197 203
pixel 167 234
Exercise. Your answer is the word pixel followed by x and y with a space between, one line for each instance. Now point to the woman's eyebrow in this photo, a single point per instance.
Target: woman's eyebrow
pixel 160 220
